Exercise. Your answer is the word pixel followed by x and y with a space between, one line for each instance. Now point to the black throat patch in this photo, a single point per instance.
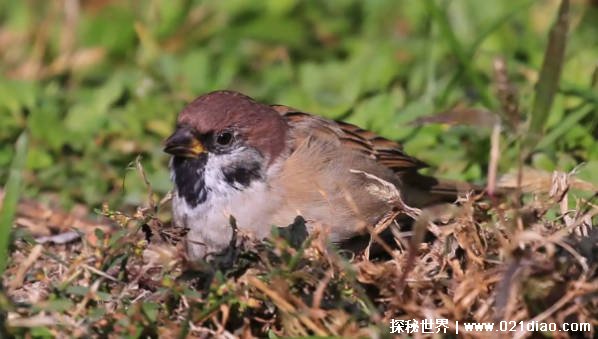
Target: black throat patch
pixel 189 179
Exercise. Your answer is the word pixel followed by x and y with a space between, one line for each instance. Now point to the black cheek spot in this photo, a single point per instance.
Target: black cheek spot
pixel 242 175
pixel 189 179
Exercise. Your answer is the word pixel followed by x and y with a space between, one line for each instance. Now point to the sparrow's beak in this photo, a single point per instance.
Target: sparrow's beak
pixel 184 144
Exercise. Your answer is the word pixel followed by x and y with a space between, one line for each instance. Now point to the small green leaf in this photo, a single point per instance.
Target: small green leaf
pixel 564 126
pixel 374 113
pixel 38 158
pixel 41 332
pixel 103 296
pixel 90 113
pixel 96 313
pixel 56 305
pixel 112 29
pixel 331 87
pixel 150 310
pixel 16 95
pixel 77 290
pixel 287 30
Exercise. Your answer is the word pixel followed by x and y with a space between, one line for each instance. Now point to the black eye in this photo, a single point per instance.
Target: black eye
pixel 224 138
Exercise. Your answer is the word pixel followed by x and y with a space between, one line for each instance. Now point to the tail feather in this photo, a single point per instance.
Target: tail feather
pixel 422 190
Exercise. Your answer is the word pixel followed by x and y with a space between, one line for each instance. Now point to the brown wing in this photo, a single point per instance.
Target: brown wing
pixel 419 190
pixel 384 151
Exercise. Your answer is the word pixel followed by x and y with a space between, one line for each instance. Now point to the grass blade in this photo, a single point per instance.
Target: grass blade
pixel 549 74
pixel 566 124
pixel 448 34
pixel 11 198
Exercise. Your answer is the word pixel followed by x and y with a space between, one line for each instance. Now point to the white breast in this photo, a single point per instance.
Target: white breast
pixel 209 225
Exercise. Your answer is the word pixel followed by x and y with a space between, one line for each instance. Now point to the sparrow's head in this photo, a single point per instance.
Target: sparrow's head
pixel 222 121
pixel 224 137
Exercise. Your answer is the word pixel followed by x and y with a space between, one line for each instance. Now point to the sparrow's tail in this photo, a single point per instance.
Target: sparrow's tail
pixel 422 190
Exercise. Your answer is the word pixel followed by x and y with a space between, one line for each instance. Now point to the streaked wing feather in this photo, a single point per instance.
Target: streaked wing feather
pixel 386 152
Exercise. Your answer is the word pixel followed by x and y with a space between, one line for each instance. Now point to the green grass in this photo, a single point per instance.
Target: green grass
pixel 8 208
pixel 100 87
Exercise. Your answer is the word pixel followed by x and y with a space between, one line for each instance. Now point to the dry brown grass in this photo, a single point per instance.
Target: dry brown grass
pixel 528 260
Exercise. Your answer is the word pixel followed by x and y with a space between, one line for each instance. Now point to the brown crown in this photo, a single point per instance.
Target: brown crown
pixel 260 125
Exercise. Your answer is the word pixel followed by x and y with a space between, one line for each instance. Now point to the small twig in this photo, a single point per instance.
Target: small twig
pixel 90 293
pixel 582 260
pixel 35 253
pixel 284 305
pixel 319 292
pixel 375 235
pixel 494 157
pixel 38 320
pixel 100 273
pixel 570 295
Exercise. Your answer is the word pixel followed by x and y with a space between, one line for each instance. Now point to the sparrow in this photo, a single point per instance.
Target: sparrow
pixel 265 164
